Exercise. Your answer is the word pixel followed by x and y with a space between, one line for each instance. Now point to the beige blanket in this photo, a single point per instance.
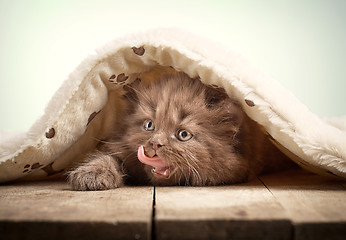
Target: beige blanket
pixel 82 110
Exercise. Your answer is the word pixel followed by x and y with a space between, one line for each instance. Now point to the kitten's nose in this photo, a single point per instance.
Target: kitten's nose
pixel 156 146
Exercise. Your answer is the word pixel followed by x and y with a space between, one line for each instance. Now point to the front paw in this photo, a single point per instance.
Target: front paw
pixel 99 174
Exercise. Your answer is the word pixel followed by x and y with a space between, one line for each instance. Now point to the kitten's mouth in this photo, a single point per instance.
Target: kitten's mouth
pixel 162 172
pixel 160 166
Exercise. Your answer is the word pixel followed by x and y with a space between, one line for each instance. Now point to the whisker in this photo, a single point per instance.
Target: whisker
pixel 128 156
pixel 115 153
pixel 194 170
pixel 179 165
pixel 192 166
pixel 108 142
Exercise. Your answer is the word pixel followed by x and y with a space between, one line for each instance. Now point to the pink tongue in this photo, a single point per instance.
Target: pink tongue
pixel 155 162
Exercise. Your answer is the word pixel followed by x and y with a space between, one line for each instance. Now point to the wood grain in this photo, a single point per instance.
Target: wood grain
pixel 244 211
pixel 288 205
pixel 316 205
pixel 36 210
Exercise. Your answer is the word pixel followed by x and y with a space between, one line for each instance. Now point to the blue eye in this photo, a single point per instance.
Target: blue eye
pixel 184 135
pixel 149 125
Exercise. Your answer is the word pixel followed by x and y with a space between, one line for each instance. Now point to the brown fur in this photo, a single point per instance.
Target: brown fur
pixel 226 146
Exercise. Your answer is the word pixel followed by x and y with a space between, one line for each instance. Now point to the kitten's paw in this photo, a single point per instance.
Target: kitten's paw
pixel 99 174
pixel 84 181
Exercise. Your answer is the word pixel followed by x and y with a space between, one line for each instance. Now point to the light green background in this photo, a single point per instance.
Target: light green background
pixel 301 43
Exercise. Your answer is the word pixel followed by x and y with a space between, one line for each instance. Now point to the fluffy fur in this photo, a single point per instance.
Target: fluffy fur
pixel 218 143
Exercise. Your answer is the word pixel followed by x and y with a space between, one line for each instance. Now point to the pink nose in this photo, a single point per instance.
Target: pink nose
pixel 156 146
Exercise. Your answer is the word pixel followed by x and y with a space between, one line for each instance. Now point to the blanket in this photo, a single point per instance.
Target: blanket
pixel 82 110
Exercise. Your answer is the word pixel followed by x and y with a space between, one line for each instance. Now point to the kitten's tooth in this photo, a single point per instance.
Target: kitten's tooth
pixel 166 172
pixel 153 170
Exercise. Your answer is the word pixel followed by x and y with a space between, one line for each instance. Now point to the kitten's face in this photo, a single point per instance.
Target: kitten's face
pixel 185 133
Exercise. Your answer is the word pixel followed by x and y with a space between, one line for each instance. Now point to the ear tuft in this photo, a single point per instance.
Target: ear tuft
pixel 214 96
pixel 232 112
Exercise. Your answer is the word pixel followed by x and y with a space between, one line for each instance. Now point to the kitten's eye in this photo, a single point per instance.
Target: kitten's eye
pixel 149 125
pixel 184 135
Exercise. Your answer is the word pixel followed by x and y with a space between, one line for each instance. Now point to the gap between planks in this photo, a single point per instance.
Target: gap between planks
pixel 287 205
pixel 290 205
pixel 153 224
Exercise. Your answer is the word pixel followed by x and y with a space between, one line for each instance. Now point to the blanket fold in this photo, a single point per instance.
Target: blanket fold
pixel 82 111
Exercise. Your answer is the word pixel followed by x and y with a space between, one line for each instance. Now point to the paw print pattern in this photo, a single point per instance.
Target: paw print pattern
pixel 139 51
pixel 119 80
pixel 249 103
pixel 111 78
pixel 50 133
pixel 28 168
pixel 122 78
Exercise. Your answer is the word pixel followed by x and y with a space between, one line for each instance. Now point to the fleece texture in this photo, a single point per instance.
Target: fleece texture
pixel 83 110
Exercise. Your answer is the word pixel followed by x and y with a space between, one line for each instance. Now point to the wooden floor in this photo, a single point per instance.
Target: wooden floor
pixel 289 205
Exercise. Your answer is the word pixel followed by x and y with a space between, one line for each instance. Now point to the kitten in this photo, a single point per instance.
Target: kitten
pixel 179 131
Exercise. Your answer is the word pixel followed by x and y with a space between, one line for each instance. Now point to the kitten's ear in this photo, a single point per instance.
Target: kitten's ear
pixel 213 96
pixel 131 96
pixel 229 109
pixel 233 112
pixel 131 91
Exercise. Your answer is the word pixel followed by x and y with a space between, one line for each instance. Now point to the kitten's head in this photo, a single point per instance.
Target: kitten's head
pixel 185 132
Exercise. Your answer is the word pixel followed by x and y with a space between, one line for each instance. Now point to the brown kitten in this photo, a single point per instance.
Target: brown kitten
pixel 179 132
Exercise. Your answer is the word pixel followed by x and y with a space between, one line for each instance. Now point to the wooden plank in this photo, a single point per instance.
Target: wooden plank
pixel 244 211
pixel 315 204
pixel 50 210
